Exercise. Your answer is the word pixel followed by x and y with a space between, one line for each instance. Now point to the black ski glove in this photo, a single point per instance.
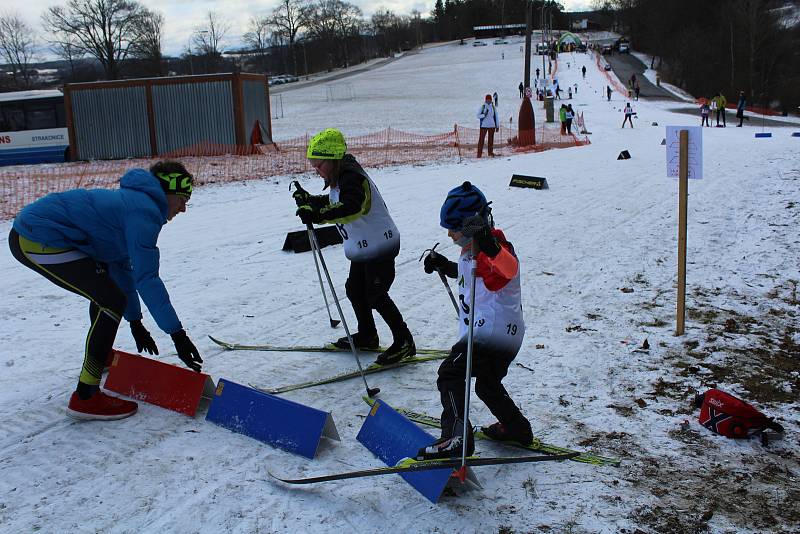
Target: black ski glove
pixel 307 214
pixel 300 195
pixel 477 227
pixel 144 341
pixel 435 262
pixel 187 352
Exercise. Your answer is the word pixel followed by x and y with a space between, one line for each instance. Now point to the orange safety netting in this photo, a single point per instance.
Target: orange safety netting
pixel 214 163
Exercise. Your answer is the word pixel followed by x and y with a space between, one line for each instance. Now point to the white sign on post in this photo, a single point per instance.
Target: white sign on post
pixel 695 151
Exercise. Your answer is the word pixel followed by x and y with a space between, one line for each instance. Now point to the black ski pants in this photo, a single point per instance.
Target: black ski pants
pixel 489 367
pixel 74 271
pixel 367 288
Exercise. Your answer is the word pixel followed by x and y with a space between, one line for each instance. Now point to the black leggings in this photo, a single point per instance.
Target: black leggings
pixel 367 289
pixel 489 367
pixel 80 274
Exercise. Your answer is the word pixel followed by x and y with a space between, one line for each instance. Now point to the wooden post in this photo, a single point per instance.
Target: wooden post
pixel 683 200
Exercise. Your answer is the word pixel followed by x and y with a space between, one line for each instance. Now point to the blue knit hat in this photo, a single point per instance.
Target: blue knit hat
pixel 462 202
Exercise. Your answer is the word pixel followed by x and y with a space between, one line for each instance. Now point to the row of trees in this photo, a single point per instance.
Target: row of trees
pixel 124 38
pixel 719 45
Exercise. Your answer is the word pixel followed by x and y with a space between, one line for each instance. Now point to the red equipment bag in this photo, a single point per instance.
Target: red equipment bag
pixel 731 417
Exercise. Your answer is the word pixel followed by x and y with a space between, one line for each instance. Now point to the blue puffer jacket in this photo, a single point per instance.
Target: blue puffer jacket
pixel 117 227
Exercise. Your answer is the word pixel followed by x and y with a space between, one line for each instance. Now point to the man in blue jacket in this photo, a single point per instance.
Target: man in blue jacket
pixel 101 245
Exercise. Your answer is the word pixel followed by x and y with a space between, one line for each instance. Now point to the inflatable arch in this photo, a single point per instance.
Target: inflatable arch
pixel 568 38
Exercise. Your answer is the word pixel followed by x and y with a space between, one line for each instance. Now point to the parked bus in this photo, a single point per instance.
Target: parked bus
pixel 33 127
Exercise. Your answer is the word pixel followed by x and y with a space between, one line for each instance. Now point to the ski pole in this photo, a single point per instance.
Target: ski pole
pixel 462 473
pixel 441 276
pixel 371 392
pixel 334 323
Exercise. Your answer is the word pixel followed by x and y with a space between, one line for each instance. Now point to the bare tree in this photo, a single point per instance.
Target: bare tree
pixel 103 29
pixel 17 48
pixel 209 38
pixel 288 18
pixel 68 50
pixel 257 36
pixel 148 46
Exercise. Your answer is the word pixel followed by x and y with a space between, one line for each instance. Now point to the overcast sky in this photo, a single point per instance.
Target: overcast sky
pixel 182 17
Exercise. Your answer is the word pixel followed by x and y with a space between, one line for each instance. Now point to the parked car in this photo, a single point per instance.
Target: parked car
pixel 607 50
pixel 500 41
pixel 478 43
pixel 607 67
pixel 624 48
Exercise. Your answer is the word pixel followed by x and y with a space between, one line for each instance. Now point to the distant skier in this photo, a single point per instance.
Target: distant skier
pixel 583 71
pixel 569 115
pixel 521 90
pixel 102 245
pixel 629 113
pixel 498 328
pixel 371 241
pixel 721 102
pixel 608 93
pixel 537 72
pixel 704 112
pixel 489 124
pixel 740 108
pixel 494 97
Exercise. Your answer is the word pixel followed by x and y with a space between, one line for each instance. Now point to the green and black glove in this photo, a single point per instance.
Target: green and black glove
pixel 308 214
pixel 300 195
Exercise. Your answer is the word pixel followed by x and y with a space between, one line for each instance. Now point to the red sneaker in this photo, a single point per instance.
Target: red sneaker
pixel 100 407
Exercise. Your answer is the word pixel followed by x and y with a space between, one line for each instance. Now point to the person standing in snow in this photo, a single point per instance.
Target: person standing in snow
pixel 562 117
pixel 608 93
pixel 494 97
pixel 521 90
pixel 371 241
pixel 101 245
pixel 721 102
pixel 629 113
pixel 704 112
pixel 740 108
pixel 489 124
pixel 498 330
pixel 583 70
pixel 569 114
pixel 636 90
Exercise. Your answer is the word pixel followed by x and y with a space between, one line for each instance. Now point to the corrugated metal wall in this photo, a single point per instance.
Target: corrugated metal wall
pixel 111 123
pixel 188 114
pixel 255 107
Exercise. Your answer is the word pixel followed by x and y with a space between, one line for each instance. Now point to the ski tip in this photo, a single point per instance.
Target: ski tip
pixel 334 323
pixel 222 344
pixel 373 392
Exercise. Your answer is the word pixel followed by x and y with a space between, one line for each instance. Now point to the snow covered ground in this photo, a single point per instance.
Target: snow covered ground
pixel 598 253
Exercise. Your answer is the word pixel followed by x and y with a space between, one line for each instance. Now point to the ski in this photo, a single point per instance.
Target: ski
pixel 408 465
pixel 372 368
pixel 310 348
pixel 537 445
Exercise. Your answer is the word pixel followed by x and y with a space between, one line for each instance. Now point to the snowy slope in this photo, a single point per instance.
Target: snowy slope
pixel 604 225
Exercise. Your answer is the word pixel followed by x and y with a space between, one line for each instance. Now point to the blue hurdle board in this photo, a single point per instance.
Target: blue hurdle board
pixel 764 134
pixel 392 437
pixel 282 423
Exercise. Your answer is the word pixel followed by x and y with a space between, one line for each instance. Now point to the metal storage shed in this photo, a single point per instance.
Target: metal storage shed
pixel 148 117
